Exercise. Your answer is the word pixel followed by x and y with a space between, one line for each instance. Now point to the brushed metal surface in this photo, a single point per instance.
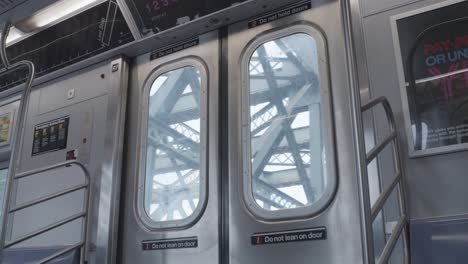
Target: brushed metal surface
pixel 342 217
pixel 134 230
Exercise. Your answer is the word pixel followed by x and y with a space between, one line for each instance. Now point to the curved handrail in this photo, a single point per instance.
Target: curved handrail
pixel 84 214
pixel 401 227
pixel 56 166
pixel 14 161
pixel 387 107
pixel 17 144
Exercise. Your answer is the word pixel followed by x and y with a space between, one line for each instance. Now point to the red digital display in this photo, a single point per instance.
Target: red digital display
pixel 159 15
pixel 155 6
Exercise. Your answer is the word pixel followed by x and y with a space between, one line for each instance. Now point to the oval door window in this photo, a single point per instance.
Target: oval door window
pixel 173 152
pixel 289 137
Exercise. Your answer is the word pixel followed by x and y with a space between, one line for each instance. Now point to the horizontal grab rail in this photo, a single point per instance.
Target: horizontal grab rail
pixel 84 214
pixel 45 229
pixel 55 166
pixel 388 250
pixel 387 108
pixel 379 100
pixel 62 252
pixel 49 197
pixel 379 204
pixel 378 149
pixel 401 228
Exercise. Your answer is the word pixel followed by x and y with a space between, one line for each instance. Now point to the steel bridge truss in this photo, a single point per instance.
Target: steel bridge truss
pixel 282 156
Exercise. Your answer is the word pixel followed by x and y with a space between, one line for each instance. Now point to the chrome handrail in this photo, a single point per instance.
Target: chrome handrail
pixel 14 162
pixel 402 227
pixel 83 214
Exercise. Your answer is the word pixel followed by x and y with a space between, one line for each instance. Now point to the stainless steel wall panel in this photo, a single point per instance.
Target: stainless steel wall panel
pixel 96 111
pixel 133 229
pixel 50 182
pixel 434 184
pixel 55 95
pixel 111 167
pixel 342 217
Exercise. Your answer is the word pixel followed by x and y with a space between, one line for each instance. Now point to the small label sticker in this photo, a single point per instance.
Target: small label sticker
pixel 166 244
pixel 115 67
pixel 289 236
pixel 285 12
pixel 174 48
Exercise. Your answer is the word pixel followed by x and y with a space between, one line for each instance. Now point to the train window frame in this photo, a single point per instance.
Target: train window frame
pixel 4 165
pixel 413 153
pixel 326 107
pixel 142 215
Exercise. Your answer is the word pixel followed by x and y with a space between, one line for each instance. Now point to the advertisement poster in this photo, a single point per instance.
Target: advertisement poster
pixel 5 128
pixel 434 53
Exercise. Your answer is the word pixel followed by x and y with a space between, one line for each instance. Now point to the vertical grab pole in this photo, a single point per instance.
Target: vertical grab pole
pixel 401 184
pixel 402 203
pixel 85 230
pixel 5 33
pixel 17 142
pixel 358 136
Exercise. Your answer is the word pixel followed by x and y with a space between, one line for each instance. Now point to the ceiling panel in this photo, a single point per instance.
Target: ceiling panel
pixel 17 10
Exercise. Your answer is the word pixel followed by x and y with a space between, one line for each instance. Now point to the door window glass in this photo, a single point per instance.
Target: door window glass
pixel 287 141
pixel 173 152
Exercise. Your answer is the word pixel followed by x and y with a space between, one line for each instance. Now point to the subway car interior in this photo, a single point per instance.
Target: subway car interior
pixel 234 131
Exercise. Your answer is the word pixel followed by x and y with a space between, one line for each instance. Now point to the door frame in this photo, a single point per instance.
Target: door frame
pixel 133 229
